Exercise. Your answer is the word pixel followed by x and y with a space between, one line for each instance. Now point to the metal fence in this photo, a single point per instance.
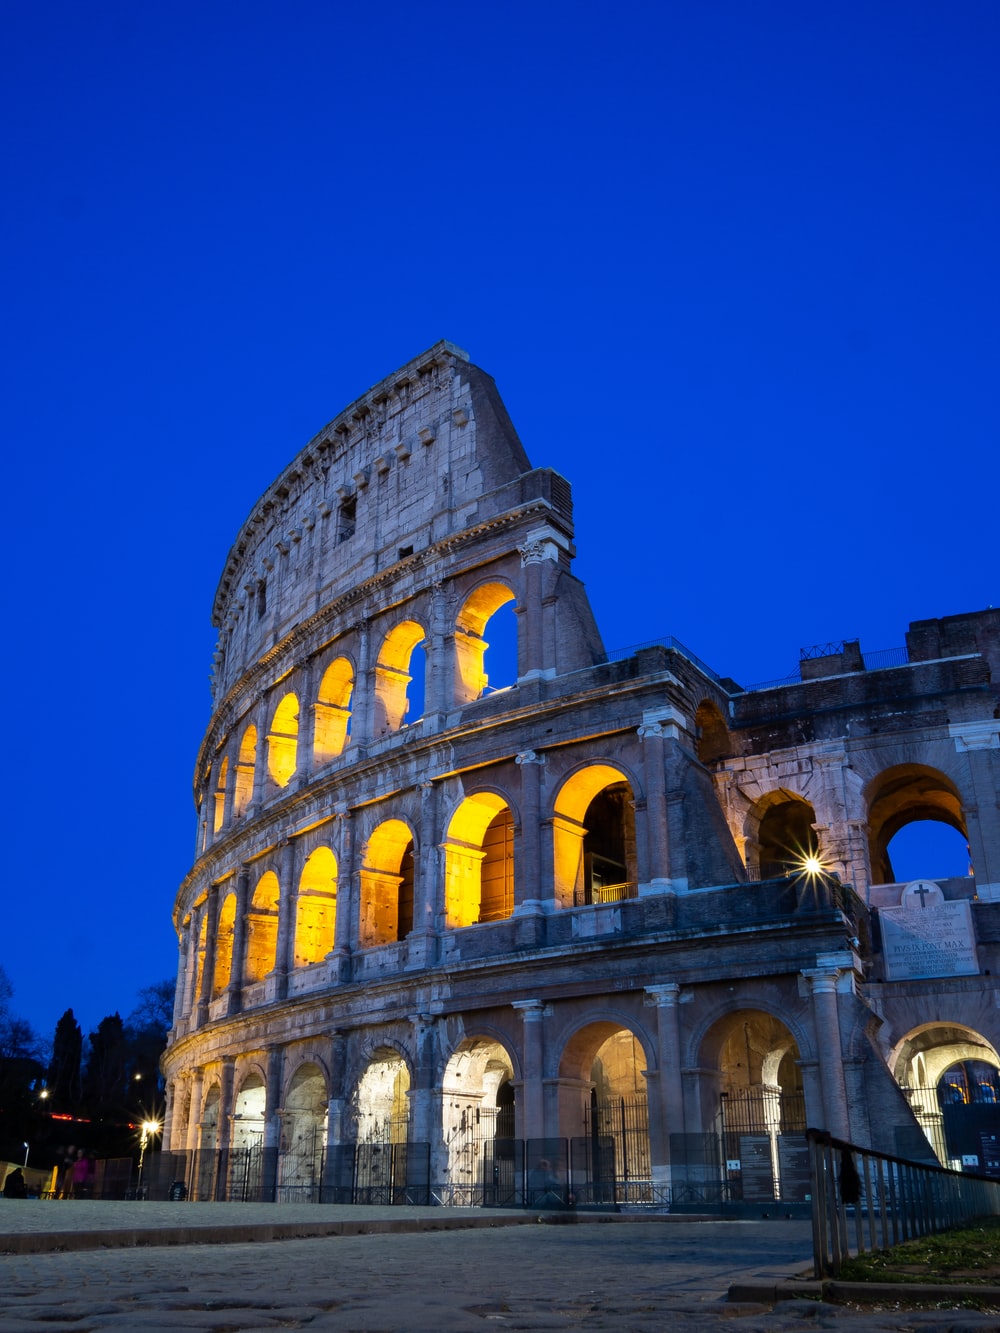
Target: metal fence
pixel 864 1200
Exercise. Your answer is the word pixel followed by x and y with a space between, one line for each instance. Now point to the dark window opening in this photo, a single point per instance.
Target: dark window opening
pixel 404 918
pixel 609 844
pixel 261 599
pixel 404 551
pixel 348 518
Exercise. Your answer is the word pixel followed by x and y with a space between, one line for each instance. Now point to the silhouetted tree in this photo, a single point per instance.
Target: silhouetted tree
pixel 106 1078
pixel 64 1067
pixel 21 1067
pixel 146 1031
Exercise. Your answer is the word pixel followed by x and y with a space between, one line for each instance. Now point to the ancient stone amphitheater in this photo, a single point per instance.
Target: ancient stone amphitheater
pixel 481 913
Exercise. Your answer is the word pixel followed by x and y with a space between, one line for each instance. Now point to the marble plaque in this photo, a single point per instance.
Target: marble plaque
pixel 926 936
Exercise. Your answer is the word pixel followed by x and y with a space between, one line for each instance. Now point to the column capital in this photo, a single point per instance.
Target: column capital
pixel 666 995
pixel 532 1011
pixel 529 757
pixel 822 980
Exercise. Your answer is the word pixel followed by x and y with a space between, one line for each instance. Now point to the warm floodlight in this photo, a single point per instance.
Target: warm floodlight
pixel 812 865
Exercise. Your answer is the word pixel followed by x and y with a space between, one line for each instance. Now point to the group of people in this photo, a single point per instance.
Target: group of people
pixel 76 1175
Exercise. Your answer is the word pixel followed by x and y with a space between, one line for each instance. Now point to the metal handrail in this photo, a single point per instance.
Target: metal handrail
pixel 857 1190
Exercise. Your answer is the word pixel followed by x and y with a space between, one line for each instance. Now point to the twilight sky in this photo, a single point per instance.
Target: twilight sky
pixel 734 267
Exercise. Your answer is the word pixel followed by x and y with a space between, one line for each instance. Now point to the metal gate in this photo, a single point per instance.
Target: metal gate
pixel 300 1172
pixel 616 1165
pixel 763 1143
pixel 380 1163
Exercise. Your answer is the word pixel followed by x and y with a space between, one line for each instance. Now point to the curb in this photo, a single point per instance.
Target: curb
pixel 861 1293
pixel 54 1242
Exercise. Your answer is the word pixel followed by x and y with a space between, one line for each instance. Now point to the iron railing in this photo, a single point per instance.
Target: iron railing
pixel 865 1200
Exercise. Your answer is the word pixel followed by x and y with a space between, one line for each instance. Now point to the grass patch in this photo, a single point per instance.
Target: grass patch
pixel 967 1255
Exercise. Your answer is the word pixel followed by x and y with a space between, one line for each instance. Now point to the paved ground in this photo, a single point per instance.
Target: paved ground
pixel 623 1276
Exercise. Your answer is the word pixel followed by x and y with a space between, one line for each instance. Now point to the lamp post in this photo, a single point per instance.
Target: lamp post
pixel 148 1127
pixel 25 1147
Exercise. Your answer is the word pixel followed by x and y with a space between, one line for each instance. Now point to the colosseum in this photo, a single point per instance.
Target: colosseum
pixel 482 913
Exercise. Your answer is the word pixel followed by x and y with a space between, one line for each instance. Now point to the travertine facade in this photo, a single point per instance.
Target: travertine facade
pixel 570 914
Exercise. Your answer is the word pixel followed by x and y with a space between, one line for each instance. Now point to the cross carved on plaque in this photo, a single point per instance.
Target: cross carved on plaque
pixel 921 893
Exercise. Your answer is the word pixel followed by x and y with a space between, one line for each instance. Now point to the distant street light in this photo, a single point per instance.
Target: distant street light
pixel 148 1127
pixel 25 1147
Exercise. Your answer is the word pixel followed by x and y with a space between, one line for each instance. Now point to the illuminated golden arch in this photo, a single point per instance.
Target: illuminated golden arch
pixel 387 885
pixel 574 881
pixel 245 765
pixel 316 912
pixel 220 794
pixel 283 740
pixel 224 933
pixel 392 676
pixel 262 928
pixel 479 861
pixel 470 646
pixel 333 710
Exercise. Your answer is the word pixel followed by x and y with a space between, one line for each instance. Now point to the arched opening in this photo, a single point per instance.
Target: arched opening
pixel 479 862
pixel 950 1075
pixel 245 765
pixel 207 1161
pixel 594 838
pixel 387 876
pixel 333 711
pixel 303 1136
pixel 785 836
pixel 928 849
pixel 714 742
pixel 398 682
pixel 906 795
pixel 757 1106
pixel 316 911
pixel 224 944
pixel 472 651
pixel 381 1105
pixel 246 1167
pixel 262 928
pixel 603 1112
pixel 477 1100
pixel 220 794
pixel 283 741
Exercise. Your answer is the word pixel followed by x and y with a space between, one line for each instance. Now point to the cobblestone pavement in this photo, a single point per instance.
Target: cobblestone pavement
pixel 630 1278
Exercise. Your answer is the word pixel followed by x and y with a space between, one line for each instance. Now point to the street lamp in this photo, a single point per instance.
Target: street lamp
pixel 148 1127
pixel 25 1147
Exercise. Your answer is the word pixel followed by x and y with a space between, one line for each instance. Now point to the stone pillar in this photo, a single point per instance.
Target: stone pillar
pixel 423 1096
pixel 530 1101
pixel 287 901
pixel 181 984
pixel 208 967
pixel 193 1128
pixel 670 1099
pixel 226 1103
pixel 364 710
pixel 658 881
pixel 228 794
pixel 439 686
pixel 539 558
pixel 235 987
pixel 260 778
pixel 426 908
pixel 823 983
pixel 272 1122
pixel 336 1127
pixel 343 936
pixel 532 888
pixel 980 743
pixel 305 687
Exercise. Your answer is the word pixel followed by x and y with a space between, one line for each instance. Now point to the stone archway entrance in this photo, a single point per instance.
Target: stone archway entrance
pixel 604 1114
pixel 482 1161
pixel 381 1107
pixel 950 1075
pixel 303 1137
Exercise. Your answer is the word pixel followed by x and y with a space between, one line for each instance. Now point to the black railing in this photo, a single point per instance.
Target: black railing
pixel 866 1200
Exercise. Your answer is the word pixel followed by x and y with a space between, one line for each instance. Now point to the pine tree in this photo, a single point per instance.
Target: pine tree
pixel 64 1070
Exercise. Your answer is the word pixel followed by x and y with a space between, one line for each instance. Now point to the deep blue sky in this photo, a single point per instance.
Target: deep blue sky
pixel 734 267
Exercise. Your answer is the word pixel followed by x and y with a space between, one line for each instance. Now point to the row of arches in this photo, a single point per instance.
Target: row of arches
pixel 269 752
pixel 593 858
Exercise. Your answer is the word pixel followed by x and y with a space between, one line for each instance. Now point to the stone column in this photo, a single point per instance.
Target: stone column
pixel 260 778
pixel 531 891
pixel 208 967
pixel 226 1109
pixel 287 901
pixel 670 1098
pixel 424 1095
pixel 363 712
pixel 530 1102
pixel 305 687
pixel 340 959
pixel 439 687
pixel 272 1122
pixel 823 983
pixel 228 794
pixel 426 908
pixel 337 1103
pixel 539 560
pixel 658 881
pixel 235 987
pixel 980 743
pixel 193 1128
